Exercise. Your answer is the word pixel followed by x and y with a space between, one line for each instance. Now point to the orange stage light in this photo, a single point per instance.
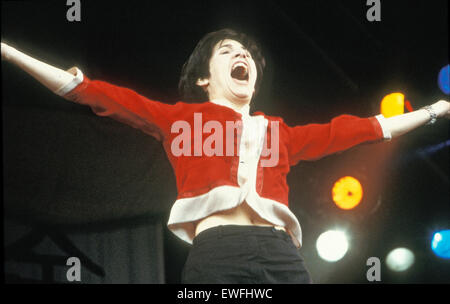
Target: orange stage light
pixel 347 192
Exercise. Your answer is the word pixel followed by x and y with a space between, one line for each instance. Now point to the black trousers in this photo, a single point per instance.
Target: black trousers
pixel 235 254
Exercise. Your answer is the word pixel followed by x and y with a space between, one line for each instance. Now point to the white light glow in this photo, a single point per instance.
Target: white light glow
pixel 400 259
pixel 436 239
pixel 332 245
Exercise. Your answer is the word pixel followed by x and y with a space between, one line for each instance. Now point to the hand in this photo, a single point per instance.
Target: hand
pixel 442 108
pixel 6 51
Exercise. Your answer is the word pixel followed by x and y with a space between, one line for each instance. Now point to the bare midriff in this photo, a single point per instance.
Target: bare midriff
pixel 241 215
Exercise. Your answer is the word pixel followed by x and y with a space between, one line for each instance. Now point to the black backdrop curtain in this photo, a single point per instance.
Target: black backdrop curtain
pixel 129 253
pixel 103 186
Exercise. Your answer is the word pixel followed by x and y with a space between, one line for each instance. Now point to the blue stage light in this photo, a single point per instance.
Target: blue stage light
pixel 440 244
pixel 443 79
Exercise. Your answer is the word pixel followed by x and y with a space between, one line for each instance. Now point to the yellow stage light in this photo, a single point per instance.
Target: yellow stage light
pixel 393 104
pixel 347 192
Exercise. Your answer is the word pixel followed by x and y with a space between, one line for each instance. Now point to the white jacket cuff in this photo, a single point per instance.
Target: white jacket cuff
pixel 386 133
pixel 77 79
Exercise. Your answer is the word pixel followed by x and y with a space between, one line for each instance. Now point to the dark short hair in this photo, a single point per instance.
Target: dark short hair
pixel 197 66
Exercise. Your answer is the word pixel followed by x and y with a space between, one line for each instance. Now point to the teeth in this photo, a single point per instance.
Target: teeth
pixel 239 64
pixel 239 71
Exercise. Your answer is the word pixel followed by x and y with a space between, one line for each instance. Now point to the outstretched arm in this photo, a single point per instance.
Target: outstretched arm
pixel 51 77
pixel 401 124
pixel 105 99
pixel 313 141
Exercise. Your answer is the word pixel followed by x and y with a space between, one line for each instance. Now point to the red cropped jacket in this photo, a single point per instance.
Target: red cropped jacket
pixel 222 157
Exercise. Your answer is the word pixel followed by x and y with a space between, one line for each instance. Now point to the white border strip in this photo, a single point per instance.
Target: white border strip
pixel 186 211
pixel 386 133
pixel 66 88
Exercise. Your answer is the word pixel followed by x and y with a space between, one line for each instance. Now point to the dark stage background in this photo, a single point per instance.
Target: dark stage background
pixel 75 181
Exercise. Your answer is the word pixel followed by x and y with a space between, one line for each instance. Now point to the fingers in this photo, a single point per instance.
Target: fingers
pixel 442 108
pixel 446 108
pixel 4 50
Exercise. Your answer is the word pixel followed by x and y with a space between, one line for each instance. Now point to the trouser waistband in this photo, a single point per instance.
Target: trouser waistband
pixel 239 230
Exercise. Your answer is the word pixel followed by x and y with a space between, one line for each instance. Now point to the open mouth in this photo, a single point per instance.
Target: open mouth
pixel 239 71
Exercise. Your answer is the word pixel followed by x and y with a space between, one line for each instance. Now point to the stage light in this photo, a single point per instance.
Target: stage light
pixel 400 259
pixel 332 245
pixel 392 104
pixel 440 244
pixel 443 79
pixel 347 192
